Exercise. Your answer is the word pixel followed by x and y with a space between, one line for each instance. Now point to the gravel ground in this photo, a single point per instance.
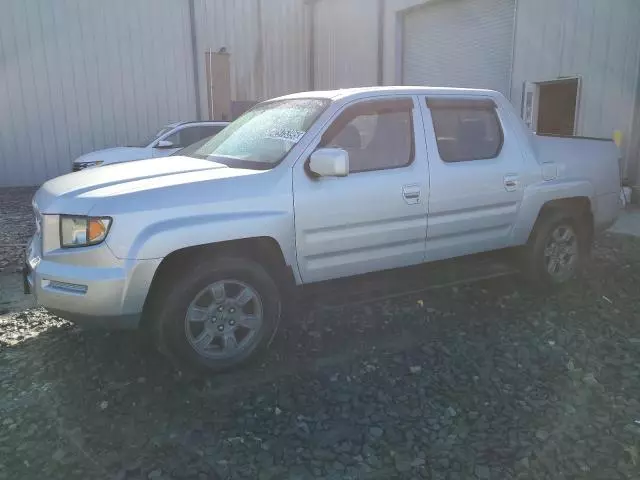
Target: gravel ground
pixel 486 381
pixel 16 225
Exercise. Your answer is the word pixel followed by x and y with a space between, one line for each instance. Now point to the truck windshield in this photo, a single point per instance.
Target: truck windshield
pixel 263 136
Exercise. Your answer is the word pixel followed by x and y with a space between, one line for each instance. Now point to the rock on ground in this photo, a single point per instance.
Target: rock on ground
pixel 16 225
pixel 511 384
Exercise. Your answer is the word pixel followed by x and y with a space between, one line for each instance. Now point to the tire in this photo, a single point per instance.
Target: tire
pixel 221 332
pixel 557 249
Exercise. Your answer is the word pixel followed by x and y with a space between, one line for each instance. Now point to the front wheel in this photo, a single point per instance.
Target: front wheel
pixel 557 250
pixel 219 313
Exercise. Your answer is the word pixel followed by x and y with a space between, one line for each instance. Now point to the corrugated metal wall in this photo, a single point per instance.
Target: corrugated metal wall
pixel 346 43
pixel 268 41
pixel 597 40
pixel 393 33
pixel 460 44
pixel 79 75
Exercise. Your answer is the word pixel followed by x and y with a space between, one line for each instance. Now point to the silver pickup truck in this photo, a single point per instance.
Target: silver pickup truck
pixel 204 251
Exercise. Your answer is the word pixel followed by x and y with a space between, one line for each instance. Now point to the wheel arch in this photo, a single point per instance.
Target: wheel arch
pixel 579 208
pixel 264 250
pixel 538 199
pixel 553 214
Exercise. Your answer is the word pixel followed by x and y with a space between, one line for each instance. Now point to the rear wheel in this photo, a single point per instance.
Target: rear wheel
pixel 557 250
pixel 219 313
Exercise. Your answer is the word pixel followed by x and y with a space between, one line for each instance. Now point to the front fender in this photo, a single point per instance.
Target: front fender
pixel 536 195
pixel 159 239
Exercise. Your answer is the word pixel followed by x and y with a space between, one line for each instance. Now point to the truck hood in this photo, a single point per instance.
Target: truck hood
pixel 115 155
pixel 77 193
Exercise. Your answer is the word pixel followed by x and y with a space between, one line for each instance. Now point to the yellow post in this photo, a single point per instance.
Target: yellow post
pixel 617 137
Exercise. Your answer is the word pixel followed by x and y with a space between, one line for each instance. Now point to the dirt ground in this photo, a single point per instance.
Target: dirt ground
pixel 487 380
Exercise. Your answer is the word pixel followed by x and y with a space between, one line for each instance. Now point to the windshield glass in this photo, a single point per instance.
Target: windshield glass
pixel 263 136
pixel 188 150
pixel 152 139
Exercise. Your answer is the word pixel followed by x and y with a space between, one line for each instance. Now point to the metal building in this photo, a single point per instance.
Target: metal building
pixel 345 43
pixel 267 52
pixel 569 66
pixel 80 75
pixel 586 51
pixel 470 45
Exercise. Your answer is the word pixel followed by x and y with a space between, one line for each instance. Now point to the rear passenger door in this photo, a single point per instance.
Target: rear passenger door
pixel 475 167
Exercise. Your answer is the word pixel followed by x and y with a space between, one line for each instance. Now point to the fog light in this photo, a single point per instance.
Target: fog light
pixel 65 287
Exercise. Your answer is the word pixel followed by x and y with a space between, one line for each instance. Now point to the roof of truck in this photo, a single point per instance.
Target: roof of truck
pixel 365 91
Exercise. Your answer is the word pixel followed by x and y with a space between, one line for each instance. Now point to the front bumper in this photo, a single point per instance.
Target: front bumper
pixel 89 286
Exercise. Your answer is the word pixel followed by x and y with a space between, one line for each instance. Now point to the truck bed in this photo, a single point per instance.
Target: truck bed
pixel 582 158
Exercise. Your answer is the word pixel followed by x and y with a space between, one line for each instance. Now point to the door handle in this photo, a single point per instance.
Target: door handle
pixel 411 194
pixel 510 183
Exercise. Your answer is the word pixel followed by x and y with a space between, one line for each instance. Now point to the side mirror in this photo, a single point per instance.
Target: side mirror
pixel 330 162
pixel 164 144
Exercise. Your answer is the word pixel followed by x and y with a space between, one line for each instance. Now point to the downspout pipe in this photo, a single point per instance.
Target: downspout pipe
pixel 312 43
pixel 194 54
pixel 381 5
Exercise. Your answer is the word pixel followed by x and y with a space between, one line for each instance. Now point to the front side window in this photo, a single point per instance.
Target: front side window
pixel 264 135
pixel 209 131
pixel 466 130
pixel 191 135
pixel 175 138
pixel 205 134
pixel 377 135
pixel 151 140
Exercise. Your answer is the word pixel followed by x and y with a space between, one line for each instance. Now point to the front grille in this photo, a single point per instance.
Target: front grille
pixel 38 218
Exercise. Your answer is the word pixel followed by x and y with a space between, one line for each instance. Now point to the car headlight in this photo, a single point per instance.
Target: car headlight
pixel 77 231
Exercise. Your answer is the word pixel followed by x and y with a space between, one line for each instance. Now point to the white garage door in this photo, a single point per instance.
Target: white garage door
pixel 460 43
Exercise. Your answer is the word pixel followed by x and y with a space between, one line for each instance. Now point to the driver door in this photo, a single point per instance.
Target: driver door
pixel 375 218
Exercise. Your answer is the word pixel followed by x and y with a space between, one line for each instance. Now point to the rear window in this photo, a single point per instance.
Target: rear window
pixel 466 130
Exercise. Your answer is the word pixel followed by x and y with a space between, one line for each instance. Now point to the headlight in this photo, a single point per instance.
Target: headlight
pixel 76 231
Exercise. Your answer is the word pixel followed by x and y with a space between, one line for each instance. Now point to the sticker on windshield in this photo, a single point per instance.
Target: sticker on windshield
pixel 287 135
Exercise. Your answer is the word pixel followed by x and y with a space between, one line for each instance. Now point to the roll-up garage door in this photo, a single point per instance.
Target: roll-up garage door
pixel 459 43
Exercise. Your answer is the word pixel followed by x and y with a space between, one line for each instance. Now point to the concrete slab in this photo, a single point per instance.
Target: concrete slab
pixel 628 223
